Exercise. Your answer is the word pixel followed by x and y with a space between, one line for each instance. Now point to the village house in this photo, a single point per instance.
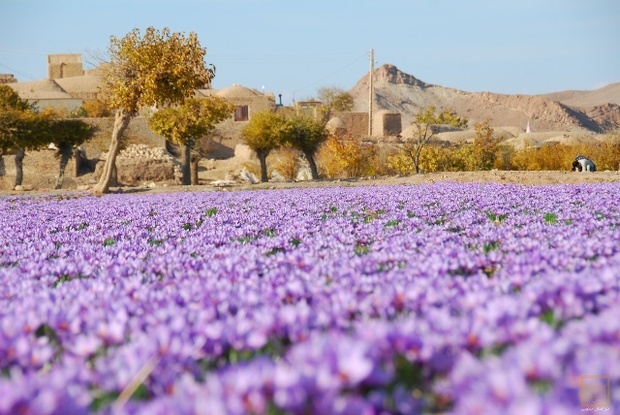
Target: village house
pixel 68 86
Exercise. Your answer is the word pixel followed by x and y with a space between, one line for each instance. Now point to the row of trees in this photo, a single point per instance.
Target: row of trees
pixel 340 157
pixel 344 156
pixel 184 123
pixel 426 123
pixel 482 154
pixel 23 128
pixel 267 131
pixel 161 70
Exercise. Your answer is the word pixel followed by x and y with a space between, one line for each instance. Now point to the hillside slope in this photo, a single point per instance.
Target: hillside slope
pixel 609 94
pixel 397 91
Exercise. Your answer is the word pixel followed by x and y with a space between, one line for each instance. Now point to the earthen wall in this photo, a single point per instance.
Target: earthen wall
pixel 64 65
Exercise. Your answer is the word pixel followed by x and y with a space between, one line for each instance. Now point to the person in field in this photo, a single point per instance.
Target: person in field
pixel 582 163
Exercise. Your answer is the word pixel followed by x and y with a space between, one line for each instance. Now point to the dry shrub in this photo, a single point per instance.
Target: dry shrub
pixel 96 109
pixel 401 163
pixel 605 154
pixel 285 161
pixel 503 157
pixel 440 158
pixel 608 157
pixel 253 166
pixel 282 162
pixel 485 153
pixel 381 161
pixel 346 157
pixel 434 158
pixel 329 159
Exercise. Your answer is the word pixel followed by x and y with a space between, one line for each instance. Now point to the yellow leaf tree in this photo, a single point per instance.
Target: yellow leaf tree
pixel 185 123
pixel 157 69
pixel 426 123
pixel 307 135
pixel 264 132
pixel 485 146
pixel 67 134
pixel 21 128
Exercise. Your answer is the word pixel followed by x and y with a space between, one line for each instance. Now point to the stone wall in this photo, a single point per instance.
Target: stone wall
pixel 138 132
pixel 138 164
pixel 40 170
pixel 68 104
pixel 219 145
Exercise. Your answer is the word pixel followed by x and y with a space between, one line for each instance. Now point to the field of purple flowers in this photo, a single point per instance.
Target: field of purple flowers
pixel 441 298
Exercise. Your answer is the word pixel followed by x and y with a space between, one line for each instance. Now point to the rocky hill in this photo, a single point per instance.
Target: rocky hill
pixel 609 94
pixel 394 90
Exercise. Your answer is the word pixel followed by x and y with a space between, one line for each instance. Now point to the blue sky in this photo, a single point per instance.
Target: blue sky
pixel 294 47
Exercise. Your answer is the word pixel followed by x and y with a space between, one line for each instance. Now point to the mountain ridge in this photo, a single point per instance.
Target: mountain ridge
pixel 396 91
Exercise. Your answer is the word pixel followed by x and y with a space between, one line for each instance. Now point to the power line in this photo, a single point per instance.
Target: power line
pixel 359 58
pixel 284 57
pixel 16 72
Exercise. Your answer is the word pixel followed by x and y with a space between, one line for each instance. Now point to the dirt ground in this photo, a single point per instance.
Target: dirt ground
pixel 207 183
pixel 41 168
pixel 514 177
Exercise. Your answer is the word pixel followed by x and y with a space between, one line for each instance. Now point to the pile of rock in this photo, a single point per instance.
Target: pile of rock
pixel 140 163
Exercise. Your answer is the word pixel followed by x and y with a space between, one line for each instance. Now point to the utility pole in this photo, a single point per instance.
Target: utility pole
pixel 370 91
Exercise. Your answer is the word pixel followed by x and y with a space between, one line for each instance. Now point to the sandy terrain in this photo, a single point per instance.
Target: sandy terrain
pixel 40 172
pixel 514 177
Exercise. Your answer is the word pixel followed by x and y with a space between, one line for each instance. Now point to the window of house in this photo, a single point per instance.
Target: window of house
pixel 241 113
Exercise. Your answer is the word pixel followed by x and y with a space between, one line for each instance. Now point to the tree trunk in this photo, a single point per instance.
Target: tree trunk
pixel 186 151
pixel 195 180
pixel 262 157
pixel 416 160
pixel 313 168
pixel 20 153
pixel 65 154
pixel 121 121
pixel 2 166
pixel 81 162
